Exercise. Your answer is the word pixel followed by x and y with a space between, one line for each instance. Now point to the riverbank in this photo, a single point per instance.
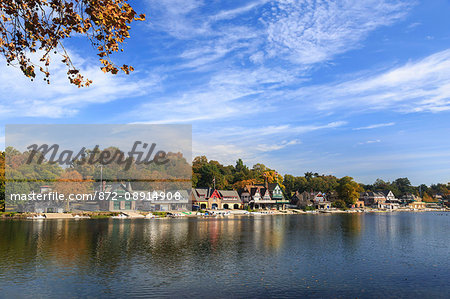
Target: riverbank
pixel 212 213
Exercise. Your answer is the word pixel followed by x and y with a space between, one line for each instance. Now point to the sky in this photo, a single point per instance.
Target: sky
pixel 358 88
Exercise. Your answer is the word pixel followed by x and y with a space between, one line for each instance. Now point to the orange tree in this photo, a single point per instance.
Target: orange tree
pixel 41 26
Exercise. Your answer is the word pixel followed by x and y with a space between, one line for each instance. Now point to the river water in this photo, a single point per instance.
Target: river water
pixel 342 255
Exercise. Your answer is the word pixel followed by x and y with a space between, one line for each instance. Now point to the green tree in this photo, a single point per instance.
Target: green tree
pixel 339 204
pixel 348 190
pixel 289 184
pixel 404 186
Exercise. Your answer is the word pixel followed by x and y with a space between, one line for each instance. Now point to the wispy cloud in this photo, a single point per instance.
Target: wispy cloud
pixel 419 86
pixel 227 94
pixel 178 17
pixel 370 142
pixel 232 13
pixel 375 126
pixel 279 129
pixel 21 97
pixel 309 31
pixel 275 147
pixel 305 31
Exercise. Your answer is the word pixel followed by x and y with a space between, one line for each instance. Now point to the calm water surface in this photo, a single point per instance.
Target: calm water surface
pixel 366 255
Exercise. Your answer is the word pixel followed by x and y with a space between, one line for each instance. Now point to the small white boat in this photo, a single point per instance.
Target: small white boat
pixel 120 216
pixel 256 213
pixel 149 216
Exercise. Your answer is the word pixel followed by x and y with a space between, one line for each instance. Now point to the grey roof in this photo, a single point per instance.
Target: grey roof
pixel 372 194
pixel 228 193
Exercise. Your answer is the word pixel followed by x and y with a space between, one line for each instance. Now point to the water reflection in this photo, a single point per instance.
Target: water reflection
pixel 271 255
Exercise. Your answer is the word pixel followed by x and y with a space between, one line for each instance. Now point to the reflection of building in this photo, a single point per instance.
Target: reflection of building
pixel 215 199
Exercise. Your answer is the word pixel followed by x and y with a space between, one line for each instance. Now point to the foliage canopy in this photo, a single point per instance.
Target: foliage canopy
pixel 41 26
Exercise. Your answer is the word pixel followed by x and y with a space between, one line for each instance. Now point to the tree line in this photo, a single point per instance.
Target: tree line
pixel 79 177
pixel 210 173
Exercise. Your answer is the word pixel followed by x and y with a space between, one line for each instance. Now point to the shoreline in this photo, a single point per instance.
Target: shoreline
pixel 193 214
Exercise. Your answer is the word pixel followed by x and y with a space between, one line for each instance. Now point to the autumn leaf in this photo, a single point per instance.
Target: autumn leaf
pixel 41 26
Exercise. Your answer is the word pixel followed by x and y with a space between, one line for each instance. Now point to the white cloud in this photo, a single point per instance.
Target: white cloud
pixel 178 17
pixel 279 129
pixel 375 126
pixel 232 13
pixel 227 94
pixel 251 144
pixel 22 97
pixel 274 147
pixel 225 153
pixel 370 141
pixel 420 86
pixel 310 31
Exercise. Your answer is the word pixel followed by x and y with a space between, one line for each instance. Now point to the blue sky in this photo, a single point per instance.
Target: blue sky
pixel 359 88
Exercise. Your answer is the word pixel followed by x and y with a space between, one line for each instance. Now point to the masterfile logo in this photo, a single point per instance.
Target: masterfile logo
pixel 89 165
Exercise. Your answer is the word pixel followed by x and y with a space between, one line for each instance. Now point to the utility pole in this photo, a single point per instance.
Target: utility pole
pixel 101 177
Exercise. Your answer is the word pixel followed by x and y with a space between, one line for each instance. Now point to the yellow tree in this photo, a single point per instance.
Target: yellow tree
pixel 41 26
pixel 241 184
pixel 427 198
pixel 274 177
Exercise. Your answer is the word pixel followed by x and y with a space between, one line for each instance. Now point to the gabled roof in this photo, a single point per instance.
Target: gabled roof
pixel 118 187
pixel 372 194
pixel 271 186
pixel 215 192
pixel 385 192
pixel 228 193
pixel 254 190
pixel 265 192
